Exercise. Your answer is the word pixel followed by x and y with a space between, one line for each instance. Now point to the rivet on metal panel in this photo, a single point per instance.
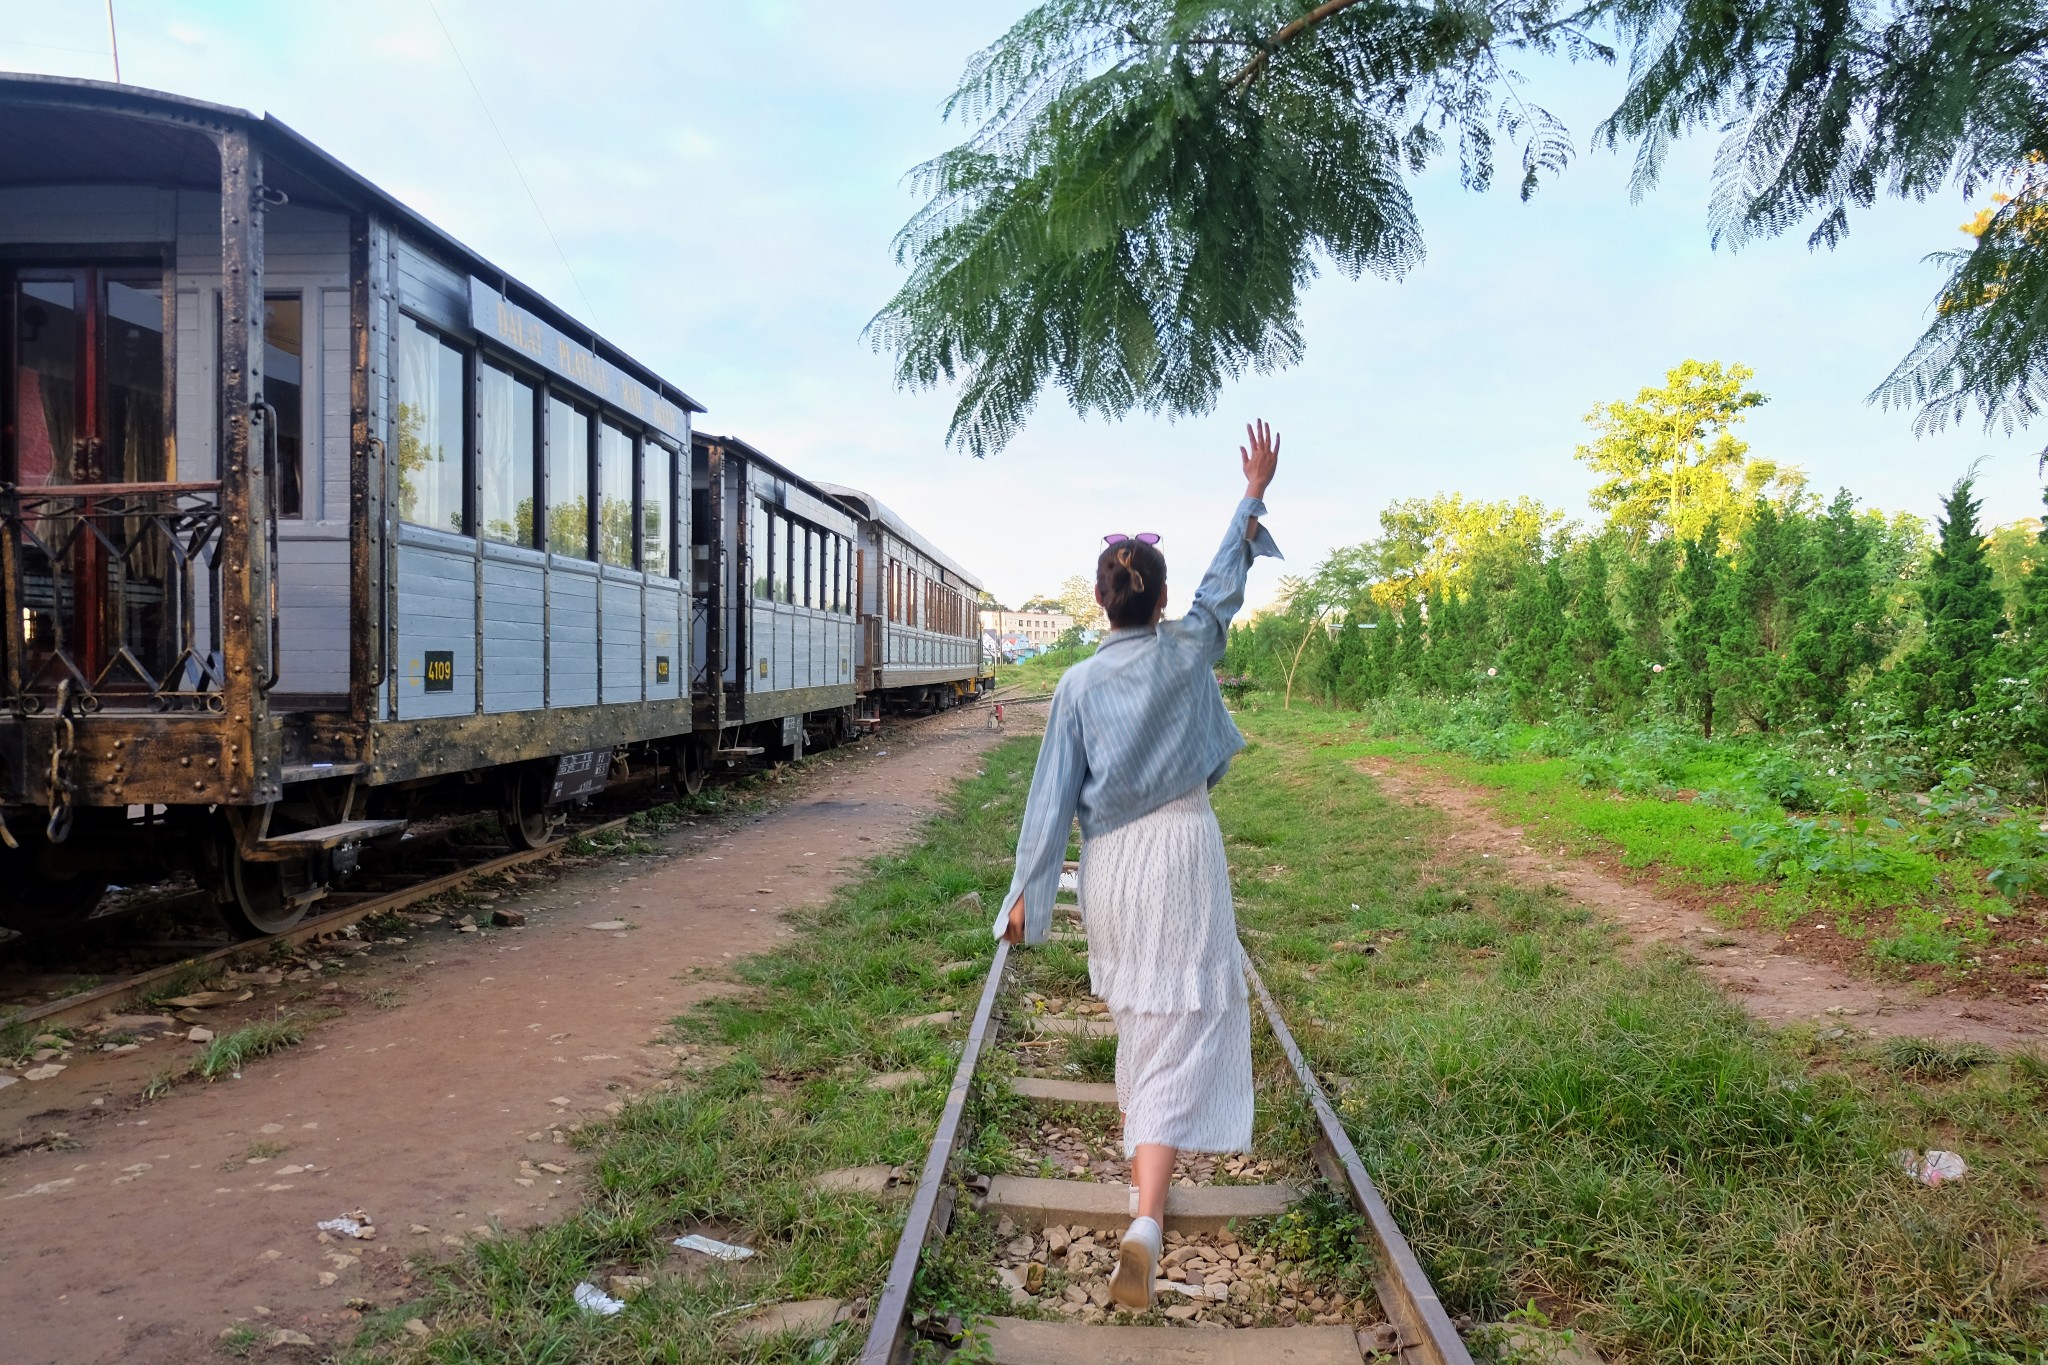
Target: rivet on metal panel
pixel 185 761
pixel 197 785
pixel 213 763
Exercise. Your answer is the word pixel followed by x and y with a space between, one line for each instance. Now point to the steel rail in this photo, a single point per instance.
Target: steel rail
pixel 117 993
pixel 886 1328
pixel 1405 1292
pixel 125 990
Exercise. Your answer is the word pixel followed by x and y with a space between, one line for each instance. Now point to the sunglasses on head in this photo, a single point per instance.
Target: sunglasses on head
pixel 1143 538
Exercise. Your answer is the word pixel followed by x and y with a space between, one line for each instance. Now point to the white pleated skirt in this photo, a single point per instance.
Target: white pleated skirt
pixel 1163 955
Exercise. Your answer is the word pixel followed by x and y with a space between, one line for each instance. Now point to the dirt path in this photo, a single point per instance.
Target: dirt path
pixel 156 1232
pixel 1775 983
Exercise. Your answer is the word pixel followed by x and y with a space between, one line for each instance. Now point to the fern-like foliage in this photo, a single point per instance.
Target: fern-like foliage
pixel 1823 106
pixel 1149 185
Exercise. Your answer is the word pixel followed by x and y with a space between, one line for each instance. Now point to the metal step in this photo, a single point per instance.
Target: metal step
pixel 313 772
pixel 1032 1203
pixel 1019 1341
pixel 301 842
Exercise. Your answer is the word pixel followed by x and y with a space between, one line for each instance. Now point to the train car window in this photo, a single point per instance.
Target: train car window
pixel 506 409
pixel 614 496
pixel 431 467
pixel 814 576
pixel 568 494
pixel 760 547
pixel 284 352
pixel 839 574
pixel 778 556
pixel 789 559
pixel 657 506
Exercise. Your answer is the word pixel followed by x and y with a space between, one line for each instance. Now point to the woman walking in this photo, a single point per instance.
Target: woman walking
pixel 1136 737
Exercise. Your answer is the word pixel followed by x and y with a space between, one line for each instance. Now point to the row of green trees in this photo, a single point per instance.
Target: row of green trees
pixel 1717 590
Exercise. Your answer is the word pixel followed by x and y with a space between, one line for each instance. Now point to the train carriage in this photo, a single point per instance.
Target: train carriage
pixel 919 615
pixel 308 512
pixel 774 628
pixel 313 521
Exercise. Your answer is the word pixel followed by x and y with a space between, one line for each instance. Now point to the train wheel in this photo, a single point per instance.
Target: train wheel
pixel 260 899
pixel 691 764
pixel 524 814
pixel 39 899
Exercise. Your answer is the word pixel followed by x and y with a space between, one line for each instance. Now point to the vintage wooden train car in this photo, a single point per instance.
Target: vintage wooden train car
pixel 312 519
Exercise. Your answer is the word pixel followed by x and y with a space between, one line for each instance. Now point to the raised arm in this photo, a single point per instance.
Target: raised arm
pixel 1222 591
pixel 1048 816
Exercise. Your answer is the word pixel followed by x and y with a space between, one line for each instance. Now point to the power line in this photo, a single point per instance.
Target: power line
pixel 482 104
pixel 114 42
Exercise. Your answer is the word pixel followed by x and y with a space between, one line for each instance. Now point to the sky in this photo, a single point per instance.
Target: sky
pixel 714 187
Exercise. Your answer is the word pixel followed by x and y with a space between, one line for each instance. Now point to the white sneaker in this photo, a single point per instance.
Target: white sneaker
pixel 1137 1262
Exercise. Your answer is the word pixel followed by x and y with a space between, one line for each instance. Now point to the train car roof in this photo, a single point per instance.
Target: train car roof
pixel 67 131
pixel 871 507
pixel 821 491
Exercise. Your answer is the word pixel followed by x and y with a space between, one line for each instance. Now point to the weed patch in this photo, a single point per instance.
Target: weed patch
pixel 227 1055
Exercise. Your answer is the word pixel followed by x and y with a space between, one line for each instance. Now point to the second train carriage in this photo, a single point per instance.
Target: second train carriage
pixel 774 625
pixel 311 519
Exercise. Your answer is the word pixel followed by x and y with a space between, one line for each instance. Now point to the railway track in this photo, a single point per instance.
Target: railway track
pixel 87 980
pixel 1053 1240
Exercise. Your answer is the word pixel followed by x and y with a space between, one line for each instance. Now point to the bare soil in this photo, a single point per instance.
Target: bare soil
pixel 434 1099
pixel 1778 979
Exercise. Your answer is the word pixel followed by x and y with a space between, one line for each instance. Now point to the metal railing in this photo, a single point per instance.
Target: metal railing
pixel 114 589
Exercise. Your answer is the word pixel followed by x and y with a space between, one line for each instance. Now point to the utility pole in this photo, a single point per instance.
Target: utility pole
pixel 114 41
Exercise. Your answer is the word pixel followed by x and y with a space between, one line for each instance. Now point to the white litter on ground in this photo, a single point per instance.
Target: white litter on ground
pixel 723 1251
pixel 591 1299
pixel 1932 1167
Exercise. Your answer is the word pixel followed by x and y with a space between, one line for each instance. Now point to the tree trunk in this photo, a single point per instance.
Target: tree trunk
pixel 1287 702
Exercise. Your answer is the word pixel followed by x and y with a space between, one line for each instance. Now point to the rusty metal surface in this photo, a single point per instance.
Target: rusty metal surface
pixel 254 759
pixel 403 750
pixel 1404 1289
pixel 886 1327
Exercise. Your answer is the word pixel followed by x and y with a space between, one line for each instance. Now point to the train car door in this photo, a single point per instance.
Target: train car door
pixel 86 421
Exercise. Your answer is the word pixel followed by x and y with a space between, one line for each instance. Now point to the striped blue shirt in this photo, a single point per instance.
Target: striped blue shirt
pixel 1134 726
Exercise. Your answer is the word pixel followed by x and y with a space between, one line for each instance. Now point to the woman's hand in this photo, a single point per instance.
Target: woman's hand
pixel 1014 932
pixel 1260 460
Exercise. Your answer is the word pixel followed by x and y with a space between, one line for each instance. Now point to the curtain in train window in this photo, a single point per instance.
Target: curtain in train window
pixel 657 505
pixel 789 558
pixel 761 550
pixel 568 499
pixel 284 356
pixel 504 451
pixel 430 454
pixel 50 322
pixel 614 496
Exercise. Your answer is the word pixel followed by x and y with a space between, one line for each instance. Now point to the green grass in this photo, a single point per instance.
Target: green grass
pixel 732 1149
pixel 1699 816
pixel 1606 1139
pixel 227 1055
pixel 1551 1121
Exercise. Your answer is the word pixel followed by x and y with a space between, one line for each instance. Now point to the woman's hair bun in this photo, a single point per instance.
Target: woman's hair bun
pixel 1130 578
